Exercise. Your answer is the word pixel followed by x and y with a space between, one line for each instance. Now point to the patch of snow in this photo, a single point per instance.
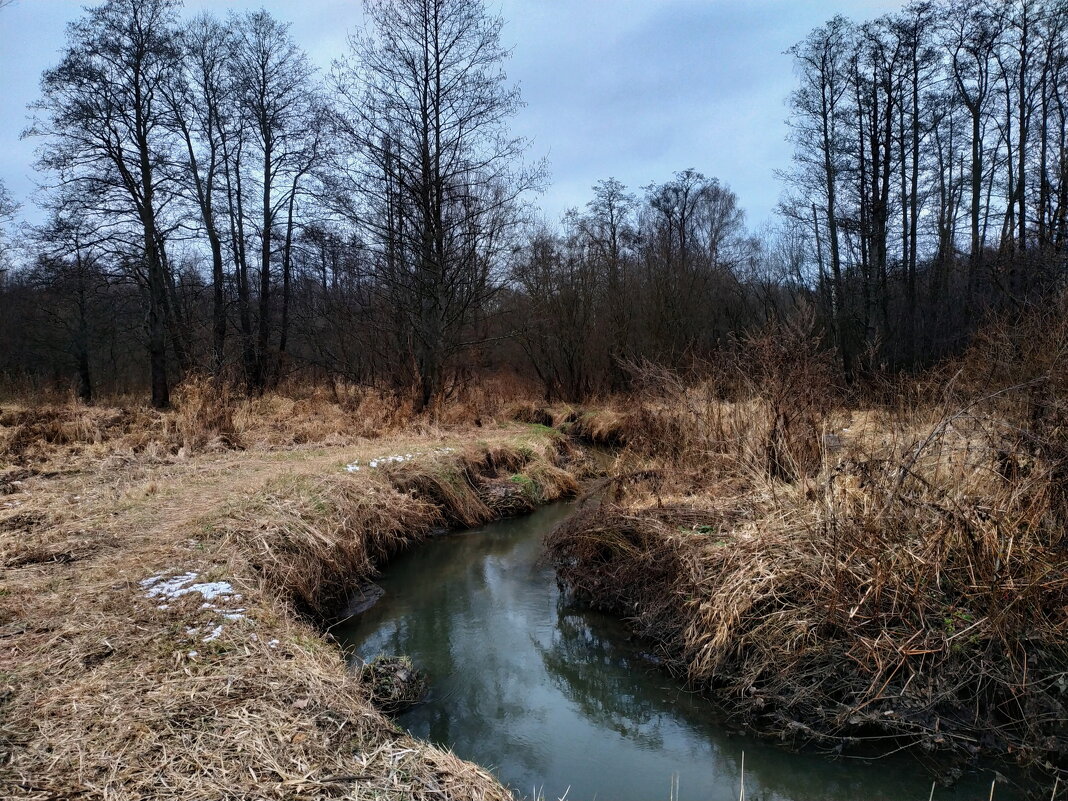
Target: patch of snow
pixel 214 634
pixel 273 644
pixel 212 590
pixel 396 458
pixel 192 654
pixel 178 586
pixel 171 588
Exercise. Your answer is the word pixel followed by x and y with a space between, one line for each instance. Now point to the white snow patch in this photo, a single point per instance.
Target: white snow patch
pixel 173 588
pixel 212 590
pixel 192 654
pixel 396 458
pixel 273 644
pixel 170 588
pixel 214 634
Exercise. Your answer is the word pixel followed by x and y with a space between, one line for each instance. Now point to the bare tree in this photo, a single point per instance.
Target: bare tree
pixel 425 106
pixel 275 96
pixel 822 62
pixel 610 229
pixel 102 115
pixel 69 272
pixel 971 38
pixel 201 104
pixel 8 210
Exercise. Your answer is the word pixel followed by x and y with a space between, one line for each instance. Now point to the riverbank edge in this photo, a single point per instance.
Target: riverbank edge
pixel 690 518
pixel 656 607
pixel 237 692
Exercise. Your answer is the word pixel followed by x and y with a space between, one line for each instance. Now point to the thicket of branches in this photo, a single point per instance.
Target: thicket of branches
pixel 219 206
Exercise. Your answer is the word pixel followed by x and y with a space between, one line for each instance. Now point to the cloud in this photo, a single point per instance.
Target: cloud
pixel 635 89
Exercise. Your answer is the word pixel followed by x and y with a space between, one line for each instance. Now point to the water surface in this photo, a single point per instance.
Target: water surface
pixel 556 699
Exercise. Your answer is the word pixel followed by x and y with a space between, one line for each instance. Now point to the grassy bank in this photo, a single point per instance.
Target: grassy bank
pixel 884 578
pixel 162 592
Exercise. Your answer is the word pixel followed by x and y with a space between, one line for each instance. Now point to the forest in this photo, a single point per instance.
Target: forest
pixel 218 207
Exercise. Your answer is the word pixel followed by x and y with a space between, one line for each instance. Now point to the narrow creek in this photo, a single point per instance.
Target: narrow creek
pixel 556 699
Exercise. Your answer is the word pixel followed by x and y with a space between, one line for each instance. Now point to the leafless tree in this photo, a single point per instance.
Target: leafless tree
pixel 818 122
pixel 425 108
pixel 274 93
pixel 201 104
pixel 102 118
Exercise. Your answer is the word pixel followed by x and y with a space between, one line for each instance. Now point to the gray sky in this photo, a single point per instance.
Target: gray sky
pixel 632 89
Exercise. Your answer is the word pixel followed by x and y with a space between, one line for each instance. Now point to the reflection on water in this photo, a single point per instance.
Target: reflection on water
pixel 553 698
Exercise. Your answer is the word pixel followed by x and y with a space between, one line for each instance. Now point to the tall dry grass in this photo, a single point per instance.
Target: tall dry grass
pixel 110 693
pixel 210 416
pixel 313 539
pixel 894 574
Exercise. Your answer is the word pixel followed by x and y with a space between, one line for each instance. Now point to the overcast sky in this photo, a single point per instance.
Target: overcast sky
pixel 632 89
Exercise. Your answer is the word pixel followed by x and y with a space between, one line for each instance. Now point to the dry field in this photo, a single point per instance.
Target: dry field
pixel 878 573
pixel 165 578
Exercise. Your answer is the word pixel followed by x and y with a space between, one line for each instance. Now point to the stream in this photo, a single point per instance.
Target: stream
pixel 558 700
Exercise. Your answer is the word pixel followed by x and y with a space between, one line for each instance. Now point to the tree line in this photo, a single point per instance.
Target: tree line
pixel 215 197
pixel 217 205
pixel 931 170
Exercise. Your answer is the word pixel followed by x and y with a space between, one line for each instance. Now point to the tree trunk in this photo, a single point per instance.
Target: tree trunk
pixel 264 322
pixel 287 260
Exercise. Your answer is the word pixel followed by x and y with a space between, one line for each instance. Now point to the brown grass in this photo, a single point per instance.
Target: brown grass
pixel 212 417
pixel 896 576
pixel 108 693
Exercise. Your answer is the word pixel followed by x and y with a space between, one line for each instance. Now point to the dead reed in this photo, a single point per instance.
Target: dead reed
pixel 890 577
pixel 210 416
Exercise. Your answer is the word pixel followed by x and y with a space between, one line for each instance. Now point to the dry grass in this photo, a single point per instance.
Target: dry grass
pixel 213 417
pixel 108 693
pixel 896 577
